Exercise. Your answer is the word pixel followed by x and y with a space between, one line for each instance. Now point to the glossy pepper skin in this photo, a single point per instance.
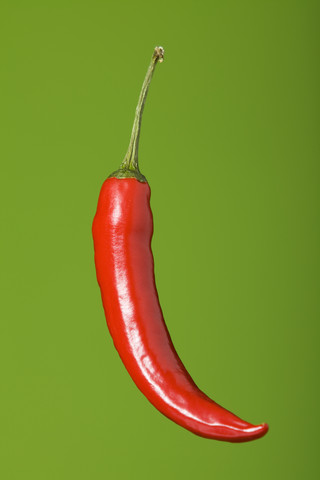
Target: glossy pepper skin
pixel 122 231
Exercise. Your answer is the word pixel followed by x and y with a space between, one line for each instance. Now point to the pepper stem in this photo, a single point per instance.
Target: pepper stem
pixel 130 161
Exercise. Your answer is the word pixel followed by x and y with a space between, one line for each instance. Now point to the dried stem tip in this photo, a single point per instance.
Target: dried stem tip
pixel 158 54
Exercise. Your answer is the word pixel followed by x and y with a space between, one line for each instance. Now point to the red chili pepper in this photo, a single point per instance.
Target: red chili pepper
pixel 122 231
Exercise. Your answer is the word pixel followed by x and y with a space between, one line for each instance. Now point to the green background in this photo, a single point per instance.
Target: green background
pixel 230 146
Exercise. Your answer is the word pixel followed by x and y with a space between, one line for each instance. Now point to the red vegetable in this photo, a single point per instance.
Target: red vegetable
pixel 122 231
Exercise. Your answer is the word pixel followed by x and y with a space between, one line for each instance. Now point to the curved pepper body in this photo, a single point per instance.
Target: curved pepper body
pixel 122 232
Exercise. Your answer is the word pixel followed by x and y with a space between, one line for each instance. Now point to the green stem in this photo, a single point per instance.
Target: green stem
pixel 129 167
